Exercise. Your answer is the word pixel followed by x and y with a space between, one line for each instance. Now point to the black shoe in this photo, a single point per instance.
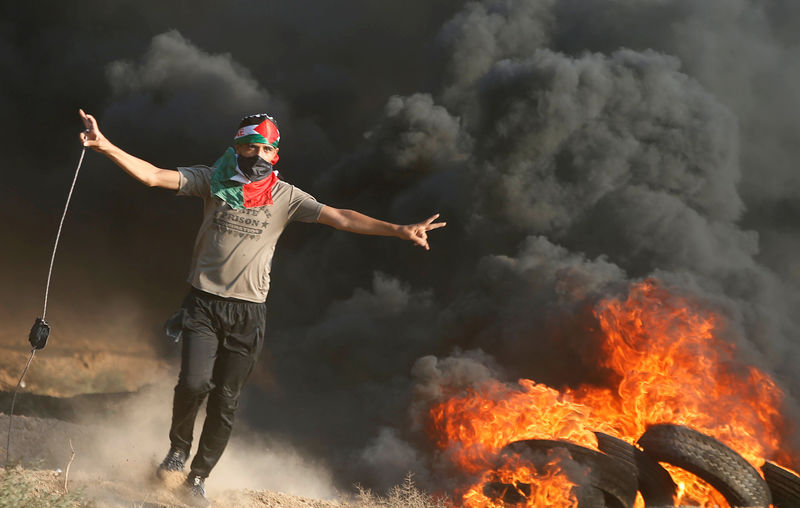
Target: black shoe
pixel 196 487
pixel 174 461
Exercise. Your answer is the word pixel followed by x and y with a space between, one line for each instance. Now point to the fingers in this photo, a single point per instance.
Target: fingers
pixel 431 219
pixel 426 224
pixel 419 232
pixel 85 138
pixel 421 239
pixel 88 120
pixel 92 122
pixel 90 137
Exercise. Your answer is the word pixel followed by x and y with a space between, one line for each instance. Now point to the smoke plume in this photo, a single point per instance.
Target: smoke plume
pixel 573 148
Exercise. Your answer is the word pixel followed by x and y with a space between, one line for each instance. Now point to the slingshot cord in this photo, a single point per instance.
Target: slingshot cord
pixel 58 235
pixel 44 311
pixel 13 401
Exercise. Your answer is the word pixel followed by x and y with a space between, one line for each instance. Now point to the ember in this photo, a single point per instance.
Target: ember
pixel 672 367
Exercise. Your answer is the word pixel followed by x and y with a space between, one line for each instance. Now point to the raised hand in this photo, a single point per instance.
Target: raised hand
pixel 91 137
pixel 418 233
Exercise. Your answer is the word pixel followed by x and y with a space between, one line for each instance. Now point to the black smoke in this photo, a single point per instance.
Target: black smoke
pixel 573 147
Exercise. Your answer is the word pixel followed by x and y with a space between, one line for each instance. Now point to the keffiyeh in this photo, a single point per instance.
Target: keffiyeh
pixel 240 189
pixel 233 191
pixel 263 130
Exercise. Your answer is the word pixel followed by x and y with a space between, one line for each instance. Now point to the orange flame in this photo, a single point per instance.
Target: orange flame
pixel 672 366
pixel 547 486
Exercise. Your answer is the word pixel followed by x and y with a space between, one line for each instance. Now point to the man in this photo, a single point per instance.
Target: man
pixel 246 208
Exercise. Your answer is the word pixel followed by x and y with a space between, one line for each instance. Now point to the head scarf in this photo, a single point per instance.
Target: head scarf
pixel 260 128
pixel 226 186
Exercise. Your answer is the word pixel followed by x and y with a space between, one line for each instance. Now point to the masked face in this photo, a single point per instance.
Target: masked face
pixel 254 168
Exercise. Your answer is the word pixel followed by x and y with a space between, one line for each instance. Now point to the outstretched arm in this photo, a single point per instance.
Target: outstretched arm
pixel 134 166
pixel 355 222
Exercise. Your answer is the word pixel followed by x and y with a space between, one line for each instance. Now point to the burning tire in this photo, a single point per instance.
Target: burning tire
pixel 654 482
pixel 615 478
pixel 587 496
pixel 783 484
pixel 709 459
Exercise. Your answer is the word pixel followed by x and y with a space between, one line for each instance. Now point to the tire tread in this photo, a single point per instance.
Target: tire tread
pixel 720 466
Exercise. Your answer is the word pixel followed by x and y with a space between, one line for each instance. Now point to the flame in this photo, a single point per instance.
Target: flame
pixel 545 486
pixel 671 366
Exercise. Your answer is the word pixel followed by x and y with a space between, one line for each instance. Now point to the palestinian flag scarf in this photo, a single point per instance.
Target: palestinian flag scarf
pixel 236 194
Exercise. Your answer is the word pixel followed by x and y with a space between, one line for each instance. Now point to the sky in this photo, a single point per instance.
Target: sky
pixel 573 147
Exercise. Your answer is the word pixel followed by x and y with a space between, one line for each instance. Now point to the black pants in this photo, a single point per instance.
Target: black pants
pixel 221 341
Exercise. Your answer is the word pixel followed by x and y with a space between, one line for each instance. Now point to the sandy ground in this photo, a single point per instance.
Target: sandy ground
pixel 43 444
pixel 111 494
pixel 112 406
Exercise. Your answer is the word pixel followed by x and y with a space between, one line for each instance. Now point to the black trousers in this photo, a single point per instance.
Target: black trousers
pixel 221 341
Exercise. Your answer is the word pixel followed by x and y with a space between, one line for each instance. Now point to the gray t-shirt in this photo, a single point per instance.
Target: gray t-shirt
pixel 233 249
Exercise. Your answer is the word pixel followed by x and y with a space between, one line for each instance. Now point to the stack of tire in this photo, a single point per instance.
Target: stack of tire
pixel 619 470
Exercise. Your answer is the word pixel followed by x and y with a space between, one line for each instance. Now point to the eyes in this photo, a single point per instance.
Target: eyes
pixel 261 149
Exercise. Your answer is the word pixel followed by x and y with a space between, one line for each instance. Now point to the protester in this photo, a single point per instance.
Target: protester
pixel 246 207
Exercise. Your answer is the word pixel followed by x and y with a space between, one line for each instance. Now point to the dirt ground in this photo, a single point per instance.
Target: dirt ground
pixel 112 406
pixel 43 447
pixel 114 494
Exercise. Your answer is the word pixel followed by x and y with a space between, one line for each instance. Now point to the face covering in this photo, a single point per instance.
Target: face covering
pixel 238 196
pixel 254 168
